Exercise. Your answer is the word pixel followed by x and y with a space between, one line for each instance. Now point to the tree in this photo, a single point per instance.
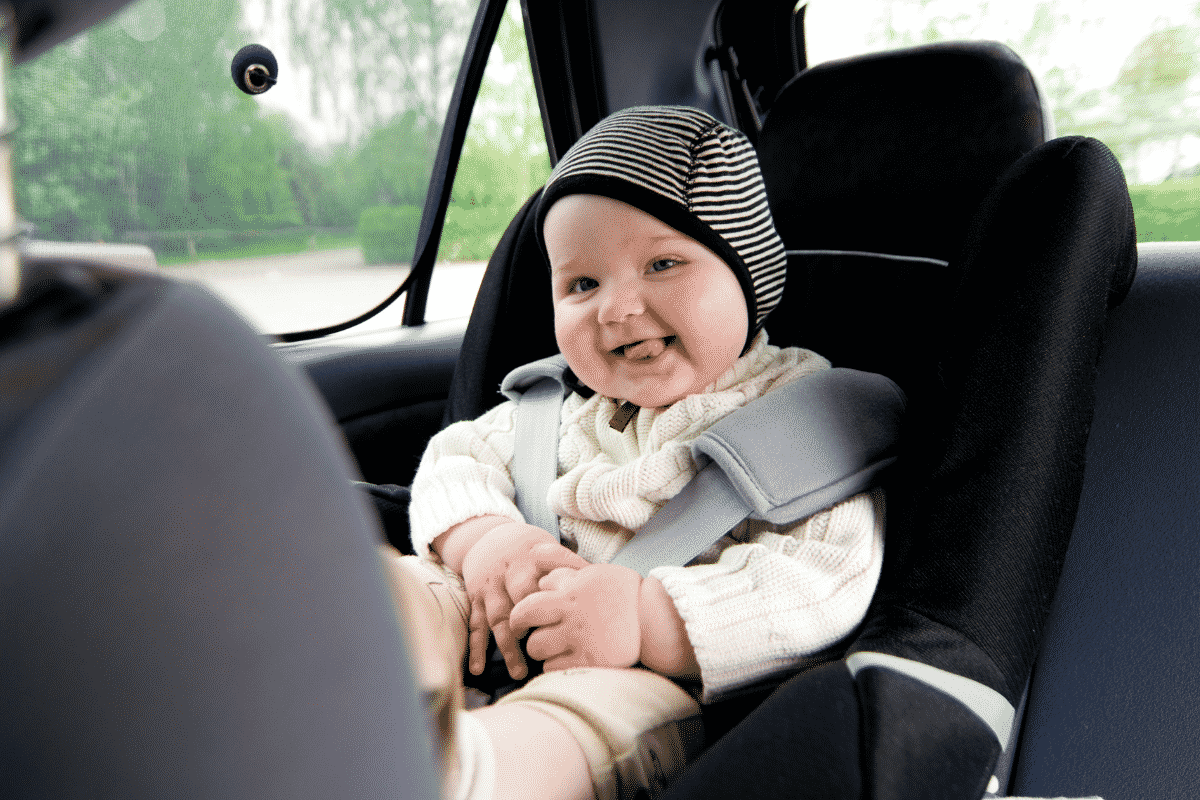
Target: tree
pixel 1152 88
pixel 504 158
pixel 135 126
pixel 368 61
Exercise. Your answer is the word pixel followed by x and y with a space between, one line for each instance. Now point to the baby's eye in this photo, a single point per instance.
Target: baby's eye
pixel 581 285
pixel 663 264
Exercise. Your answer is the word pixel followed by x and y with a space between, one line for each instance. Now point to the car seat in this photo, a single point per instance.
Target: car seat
pixel 192 603
pixel 985 300
pixel 749 51
pixel 936 237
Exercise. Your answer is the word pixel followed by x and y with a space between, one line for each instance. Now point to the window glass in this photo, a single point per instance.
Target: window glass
pixel 504 161
pixel 1125 73
pixel 300 205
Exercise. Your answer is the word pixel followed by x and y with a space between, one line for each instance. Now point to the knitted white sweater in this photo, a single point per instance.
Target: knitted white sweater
pixel 763 600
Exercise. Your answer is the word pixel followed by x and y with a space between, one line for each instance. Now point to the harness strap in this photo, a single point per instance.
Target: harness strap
pixel 785 456
pixel 535 456
pixel 705 509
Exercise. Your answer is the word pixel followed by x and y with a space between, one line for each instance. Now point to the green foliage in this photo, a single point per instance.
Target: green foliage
pixel 1162 62
pixel 106 148
pixel 1168 212
pixel 504 158
pixel 180 247
pixel 388 234
pixel 241 183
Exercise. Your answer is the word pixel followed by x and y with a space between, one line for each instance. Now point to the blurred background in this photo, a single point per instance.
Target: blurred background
pixel 301 206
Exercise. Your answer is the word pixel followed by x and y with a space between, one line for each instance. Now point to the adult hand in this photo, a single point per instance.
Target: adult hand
pixel 584 617
pixel 502 568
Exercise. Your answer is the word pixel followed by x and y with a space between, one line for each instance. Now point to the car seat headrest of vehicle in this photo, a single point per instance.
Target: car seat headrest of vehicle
pixel 693 173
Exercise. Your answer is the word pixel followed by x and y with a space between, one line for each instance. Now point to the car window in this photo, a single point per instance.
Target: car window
pixel 1125 73
pixel 504 161
pixel 300 205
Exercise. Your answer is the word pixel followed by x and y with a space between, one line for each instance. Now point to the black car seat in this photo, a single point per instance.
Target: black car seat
pixel 192 604
pixel 985 300
pixel 749 51
pixel 935 237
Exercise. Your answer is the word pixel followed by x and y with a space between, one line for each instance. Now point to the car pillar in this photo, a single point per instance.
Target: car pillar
pixel 9 260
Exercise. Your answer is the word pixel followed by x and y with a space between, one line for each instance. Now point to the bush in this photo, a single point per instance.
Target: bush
pixel 472 232
pixel 389 233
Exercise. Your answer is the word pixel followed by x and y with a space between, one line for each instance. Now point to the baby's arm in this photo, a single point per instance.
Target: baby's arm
pixel 463 510
pixel 665 646
pixel 772 602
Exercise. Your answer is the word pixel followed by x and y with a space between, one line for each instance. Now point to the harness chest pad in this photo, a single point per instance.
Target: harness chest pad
pixel 785 456
pixel 808 444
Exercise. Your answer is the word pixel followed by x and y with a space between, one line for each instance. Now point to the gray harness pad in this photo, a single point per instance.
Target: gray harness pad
pixel 785 456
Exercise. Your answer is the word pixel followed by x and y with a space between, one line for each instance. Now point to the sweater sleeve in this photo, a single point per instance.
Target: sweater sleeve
pixel 772 601
pixel 465 472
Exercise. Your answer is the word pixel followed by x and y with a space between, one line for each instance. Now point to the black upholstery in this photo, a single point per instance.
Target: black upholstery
pixel 990 524
pixel 1112 708
pixel 191 599
pixel 980 516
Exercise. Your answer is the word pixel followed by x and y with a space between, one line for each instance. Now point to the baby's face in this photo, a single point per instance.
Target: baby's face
pixel 642 312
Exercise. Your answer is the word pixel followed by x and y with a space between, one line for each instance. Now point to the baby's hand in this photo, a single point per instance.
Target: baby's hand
pixel 584 618
pixel 499 571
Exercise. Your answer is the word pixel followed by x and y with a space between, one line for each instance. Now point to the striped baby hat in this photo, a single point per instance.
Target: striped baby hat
pixel 692 172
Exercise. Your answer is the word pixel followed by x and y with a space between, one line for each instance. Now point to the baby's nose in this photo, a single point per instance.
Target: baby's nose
pixel 622 300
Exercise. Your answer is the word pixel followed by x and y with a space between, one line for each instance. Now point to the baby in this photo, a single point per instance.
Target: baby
pixel 664 264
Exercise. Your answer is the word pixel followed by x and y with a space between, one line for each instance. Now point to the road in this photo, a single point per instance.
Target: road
pixel 300 291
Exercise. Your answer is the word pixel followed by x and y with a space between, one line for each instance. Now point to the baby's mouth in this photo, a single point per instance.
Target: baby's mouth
pixel 643 349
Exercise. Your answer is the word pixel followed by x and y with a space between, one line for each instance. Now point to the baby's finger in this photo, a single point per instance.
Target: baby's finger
pixel 549 556
pixel 521 580
pixel 547 643
pixel 506 643
pixel 554 580
pixel 540 608
pixel 497 605
pixel 477 641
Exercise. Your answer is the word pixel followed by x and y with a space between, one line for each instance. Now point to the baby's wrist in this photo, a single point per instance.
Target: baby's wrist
pixel 453 546
pixel 665 647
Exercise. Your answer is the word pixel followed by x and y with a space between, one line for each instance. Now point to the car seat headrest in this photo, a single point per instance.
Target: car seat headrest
pixel 892 152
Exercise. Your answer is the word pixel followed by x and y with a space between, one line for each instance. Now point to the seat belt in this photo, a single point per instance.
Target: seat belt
pixel 535 461
pixel 796 450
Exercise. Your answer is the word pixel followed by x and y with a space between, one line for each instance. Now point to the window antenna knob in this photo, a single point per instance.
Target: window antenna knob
pixel 254 69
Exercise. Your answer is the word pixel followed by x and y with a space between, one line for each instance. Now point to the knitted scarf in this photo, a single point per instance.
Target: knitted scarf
pixel 611 482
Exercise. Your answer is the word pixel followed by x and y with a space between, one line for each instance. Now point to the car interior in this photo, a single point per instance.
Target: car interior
pixel 1033 634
